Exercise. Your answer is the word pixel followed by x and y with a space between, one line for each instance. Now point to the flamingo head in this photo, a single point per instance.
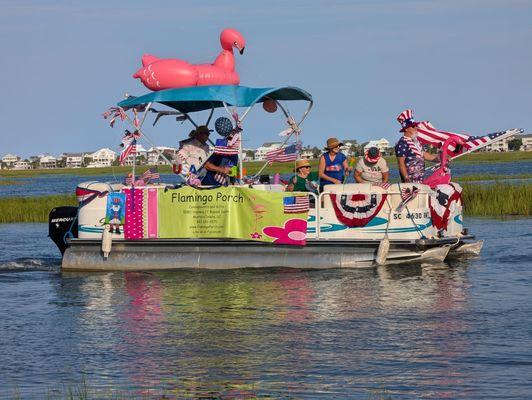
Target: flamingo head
pixel 230 38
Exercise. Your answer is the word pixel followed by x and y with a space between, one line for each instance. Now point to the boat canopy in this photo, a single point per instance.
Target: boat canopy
pixel 199 98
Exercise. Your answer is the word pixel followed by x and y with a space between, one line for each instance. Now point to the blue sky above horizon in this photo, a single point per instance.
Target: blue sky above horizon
pixel 465 65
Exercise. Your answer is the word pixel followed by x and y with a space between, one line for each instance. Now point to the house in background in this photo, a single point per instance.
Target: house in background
pixel 382 144
pixel 101 158
pixel 526 144
pixel 22 165
pixel 140 156
pixel 73 160
pixel 10 159
pixel 47 162
pixel 498 146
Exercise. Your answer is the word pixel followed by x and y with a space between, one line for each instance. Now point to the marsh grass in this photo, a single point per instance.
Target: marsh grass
pixel 12 182
pixel 497 200
pixel 32 209
pixel 491 177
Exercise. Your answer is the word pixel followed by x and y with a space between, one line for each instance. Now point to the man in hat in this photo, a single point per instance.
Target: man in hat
pixel 409 152
pixel 372 167
pixel 333 164
pixel 303 180
pixel 193 152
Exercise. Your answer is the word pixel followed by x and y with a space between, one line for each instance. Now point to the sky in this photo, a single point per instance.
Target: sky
pixel 465 65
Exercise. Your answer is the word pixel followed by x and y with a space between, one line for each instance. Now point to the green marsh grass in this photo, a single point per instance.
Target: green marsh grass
pixel 32 209
pixel 497 200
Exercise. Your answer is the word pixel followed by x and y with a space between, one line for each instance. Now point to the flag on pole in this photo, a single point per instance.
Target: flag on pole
pixel 129 150
pixel 284 154
pixel 150 174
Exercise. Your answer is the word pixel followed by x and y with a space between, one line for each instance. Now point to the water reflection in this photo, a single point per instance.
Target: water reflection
pixel 248 332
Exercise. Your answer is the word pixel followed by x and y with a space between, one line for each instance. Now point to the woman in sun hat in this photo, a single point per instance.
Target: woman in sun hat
pixel 333 164
pixel 302 181
pixel 372 167
pixel 409 152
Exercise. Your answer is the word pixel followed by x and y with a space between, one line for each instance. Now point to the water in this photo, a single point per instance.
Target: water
pixel 55 184
pixel 456 330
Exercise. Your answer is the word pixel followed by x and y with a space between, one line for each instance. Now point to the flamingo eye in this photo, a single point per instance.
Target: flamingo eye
pixel 235 44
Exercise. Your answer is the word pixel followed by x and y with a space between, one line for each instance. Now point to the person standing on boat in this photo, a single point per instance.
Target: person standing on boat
pixel 409 152
pixel 303 180
pixel 372 167
pixel 218 167
pixel 193 152
pixel 333 164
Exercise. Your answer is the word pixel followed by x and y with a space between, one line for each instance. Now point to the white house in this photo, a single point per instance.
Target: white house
pixel 382 144
pixel 102 158
pixel 498 146
pixel 10 159
pixel 306 154
pixel 527 142
pixel 73 160
pixel 260 153
pixel 47 162
pixel 19 165
pixel 153 155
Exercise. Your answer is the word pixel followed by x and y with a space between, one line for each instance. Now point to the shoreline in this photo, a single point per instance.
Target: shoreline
pixel 254 166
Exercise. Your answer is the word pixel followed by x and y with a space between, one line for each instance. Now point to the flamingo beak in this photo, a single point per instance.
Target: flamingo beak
pixel 241 50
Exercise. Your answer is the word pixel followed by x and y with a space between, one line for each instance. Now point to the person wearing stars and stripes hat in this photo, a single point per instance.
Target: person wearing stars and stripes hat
pixel 409 152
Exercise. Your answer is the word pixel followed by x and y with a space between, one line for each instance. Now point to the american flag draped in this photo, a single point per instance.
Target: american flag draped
pixel 228 147
pixel 284 154
pixel 150 174
pixel 429 135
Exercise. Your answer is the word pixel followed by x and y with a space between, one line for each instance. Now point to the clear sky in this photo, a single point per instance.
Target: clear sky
pixel 465 65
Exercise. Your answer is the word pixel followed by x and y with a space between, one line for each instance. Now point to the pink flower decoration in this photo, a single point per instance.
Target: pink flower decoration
pixel 294 232
pixel 255 235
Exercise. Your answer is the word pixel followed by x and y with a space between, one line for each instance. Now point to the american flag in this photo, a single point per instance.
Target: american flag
pixel 228 147
pixel 128 181
pixel 384 185
pixel 130 149
pixel 150 174
pixel 296 204
pixel 407 194
pixel 284 154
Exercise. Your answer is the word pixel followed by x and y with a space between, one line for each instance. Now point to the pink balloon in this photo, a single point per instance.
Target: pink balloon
pixel 167 73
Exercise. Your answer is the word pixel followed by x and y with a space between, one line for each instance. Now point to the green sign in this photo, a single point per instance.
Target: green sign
pixel 233 212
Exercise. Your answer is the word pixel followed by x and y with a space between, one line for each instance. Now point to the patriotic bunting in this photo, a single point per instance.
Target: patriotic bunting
pixel 442 203
pixel 357 210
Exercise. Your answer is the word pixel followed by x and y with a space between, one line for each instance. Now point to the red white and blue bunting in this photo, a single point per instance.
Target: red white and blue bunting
pixel 356 210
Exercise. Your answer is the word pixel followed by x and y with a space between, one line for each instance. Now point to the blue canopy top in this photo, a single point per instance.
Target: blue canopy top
pixel 198 98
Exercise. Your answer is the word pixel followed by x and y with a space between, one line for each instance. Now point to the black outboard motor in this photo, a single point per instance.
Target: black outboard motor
pixel 60 221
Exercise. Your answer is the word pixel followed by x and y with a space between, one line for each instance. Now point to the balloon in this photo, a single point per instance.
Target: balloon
pixel 160 73
pixel 269 105
pixel 223 126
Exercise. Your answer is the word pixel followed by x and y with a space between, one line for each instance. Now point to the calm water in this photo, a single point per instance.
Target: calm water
pixel 456 330
pixel 54 184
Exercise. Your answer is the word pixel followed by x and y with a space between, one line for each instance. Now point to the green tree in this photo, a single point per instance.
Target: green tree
pixel 515 144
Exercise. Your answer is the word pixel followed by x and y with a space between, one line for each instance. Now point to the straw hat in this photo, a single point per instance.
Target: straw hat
pixel 332 143
pixel 302 163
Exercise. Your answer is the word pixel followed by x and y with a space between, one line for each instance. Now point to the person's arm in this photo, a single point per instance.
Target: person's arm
pixel 346 166
pixel 402 168
pixel 290 186
pixel 385 176
pixel 321 172
pixel 211 167
pixel 358 176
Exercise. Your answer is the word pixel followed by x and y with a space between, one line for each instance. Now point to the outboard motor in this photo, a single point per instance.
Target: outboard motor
pixel 60 221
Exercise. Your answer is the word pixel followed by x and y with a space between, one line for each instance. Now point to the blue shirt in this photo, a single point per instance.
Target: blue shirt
pixel 219 161
pixel 333 169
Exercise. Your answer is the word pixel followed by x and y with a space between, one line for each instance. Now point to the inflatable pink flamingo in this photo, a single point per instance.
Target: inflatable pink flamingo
pixel 158 73
pixel 442 175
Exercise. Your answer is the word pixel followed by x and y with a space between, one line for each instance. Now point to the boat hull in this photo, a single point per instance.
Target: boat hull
pixel 86 255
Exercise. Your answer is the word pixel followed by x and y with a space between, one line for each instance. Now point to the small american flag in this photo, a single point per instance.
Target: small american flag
pixel 128 181
pixel 384 185
pixel 296 204
pixel 150 174
pixel 407 194
pixel 228 147
pixel 130 149
pixel 284 154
